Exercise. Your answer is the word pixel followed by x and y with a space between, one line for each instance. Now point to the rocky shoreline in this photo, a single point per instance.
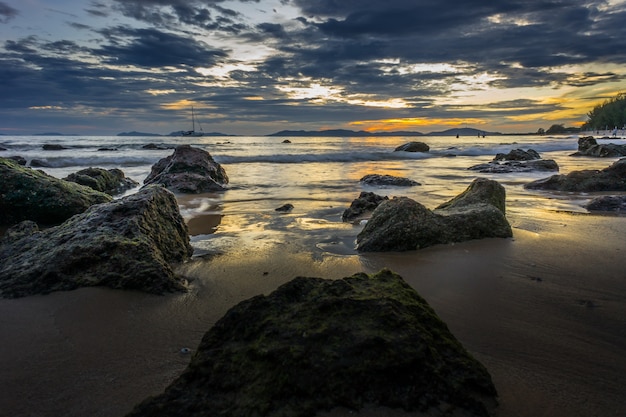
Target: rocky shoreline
pixel 136 242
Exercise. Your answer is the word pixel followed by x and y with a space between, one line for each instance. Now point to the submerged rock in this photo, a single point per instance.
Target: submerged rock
pixel 388 180
pixel 129 243
pixel 316 344
pixel 112 181
pixel 612 178
pixel 363 205
pixel 403 224
pixel 285 208
pixel 28 194
pixel 188 170
pixel 588 146
pixel 413 147
pixel 608 203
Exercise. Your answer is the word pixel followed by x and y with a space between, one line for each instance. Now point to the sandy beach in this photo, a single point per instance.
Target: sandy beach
pixel 544 312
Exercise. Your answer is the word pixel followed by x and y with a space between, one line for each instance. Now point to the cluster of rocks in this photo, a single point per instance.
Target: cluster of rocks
pixel 588 146
pixel 517 160
pixel 91 239
pixel 402 224
pixel 314 344
pixel 612 178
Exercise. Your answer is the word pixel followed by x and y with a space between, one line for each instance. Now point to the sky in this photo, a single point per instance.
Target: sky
pixel 255 67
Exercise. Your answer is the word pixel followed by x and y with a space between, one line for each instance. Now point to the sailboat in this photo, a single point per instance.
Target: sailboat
pixel 193 132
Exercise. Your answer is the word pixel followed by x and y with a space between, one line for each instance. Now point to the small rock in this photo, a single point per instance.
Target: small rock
pixel 285 208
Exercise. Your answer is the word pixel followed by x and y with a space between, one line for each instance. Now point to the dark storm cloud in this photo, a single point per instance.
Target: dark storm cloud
pixel 7 12
pixel 154 48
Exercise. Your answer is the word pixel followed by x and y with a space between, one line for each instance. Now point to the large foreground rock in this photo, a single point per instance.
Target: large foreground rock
pixel 316 344
pixel 28 194
pixel 588 146
pixel 403 224
pixel 130 243
pixel 612 178
pixel 112 181
pixel 188 170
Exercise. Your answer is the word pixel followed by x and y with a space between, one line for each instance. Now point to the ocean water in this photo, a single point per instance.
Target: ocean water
pixel 319 176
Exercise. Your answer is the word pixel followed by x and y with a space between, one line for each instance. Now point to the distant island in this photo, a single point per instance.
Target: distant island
pixel 361 133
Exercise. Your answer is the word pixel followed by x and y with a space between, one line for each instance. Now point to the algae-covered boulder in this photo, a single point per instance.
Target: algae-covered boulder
pixel 612 178
pixel 111 181
pixel 402 224
pixel 129 243
pixel 28 194
pixel 413 147
pixel 188 170
pixel 316 344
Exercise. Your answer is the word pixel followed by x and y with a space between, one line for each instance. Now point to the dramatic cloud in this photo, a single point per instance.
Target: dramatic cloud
pixel 257 66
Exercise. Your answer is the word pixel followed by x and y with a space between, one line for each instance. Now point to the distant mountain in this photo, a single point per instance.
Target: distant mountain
pixel 341 133
pixel 466 131
pixel 133 133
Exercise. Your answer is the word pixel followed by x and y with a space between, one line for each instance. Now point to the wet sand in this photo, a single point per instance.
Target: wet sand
pixel 545 312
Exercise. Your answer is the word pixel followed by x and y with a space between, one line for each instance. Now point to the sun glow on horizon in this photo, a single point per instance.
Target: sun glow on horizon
pixel 387 125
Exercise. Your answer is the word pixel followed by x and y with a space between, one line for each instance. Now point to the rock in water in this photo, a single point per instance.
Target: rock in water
pixel 413 147
pixel 612 178
pixel 388 180
pixel 129 243
pixel 403 224
pixel 28 194
pixel 363 205
pixel 316 344
pixel 112 181
pixel 588 146
pixel 188 170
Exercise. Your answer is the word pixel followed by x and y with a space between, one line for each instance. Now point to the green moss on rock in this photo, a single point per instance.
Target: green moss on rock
pixel 316 344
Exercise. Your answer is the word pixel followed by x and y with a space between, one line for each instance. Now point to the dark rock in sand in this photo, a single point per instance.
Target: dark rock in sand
pixel 365 204
pixel 188 170
pixel 129 243
pixel 53 147
pixel 388 180
pixel 315 344
pixel 612 178
pixel 285 208
pixel 608 203
pixel 286 141
pixel 588 146
pixel 518 155
pixel 413 147
pixel 403 224
pixel 112 181
pixel 28 194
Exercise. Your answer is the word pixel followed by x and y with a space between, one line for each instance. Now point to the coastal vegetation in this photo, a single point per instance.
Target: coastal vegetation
pixel 608 115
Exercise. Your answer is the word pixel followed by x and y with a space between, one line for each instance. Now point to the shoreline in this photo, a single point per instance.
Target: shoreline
pixel 543 311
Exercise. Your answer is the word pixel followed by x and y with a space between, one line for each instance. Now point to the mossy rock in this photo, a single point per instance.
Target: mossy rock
pixel 316 344
pixel 112 181
pixel 28 194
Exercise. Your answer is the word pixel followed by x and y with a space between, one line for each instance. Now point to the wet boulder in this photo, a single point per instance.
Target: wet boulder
pixel 588 146
pixel 29 194
pixel 413 147
pixel 315 344
pixel 612 178
pixel 190 171
pixel 130 243
pixel 388 180
pixel 517 160
pixel 362 206
pixel 608 203
pixel 112 181
pixel 402 224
